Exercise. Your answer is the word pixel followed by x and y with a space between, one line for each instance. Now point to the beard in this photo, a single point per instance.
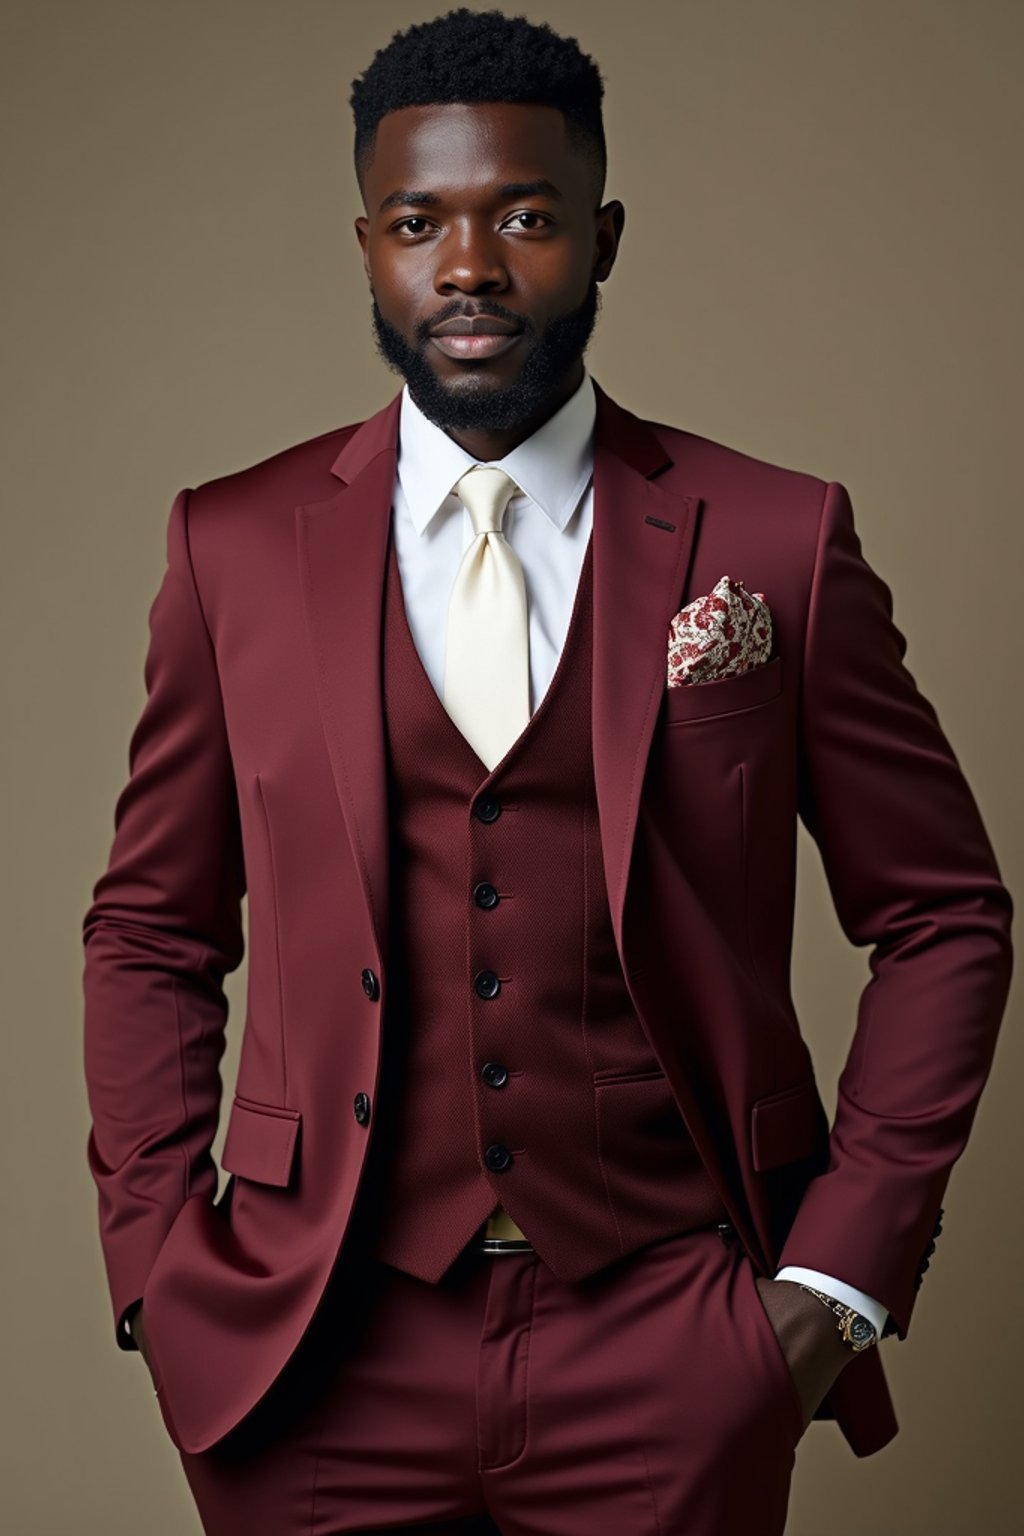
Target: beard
pixel 474 405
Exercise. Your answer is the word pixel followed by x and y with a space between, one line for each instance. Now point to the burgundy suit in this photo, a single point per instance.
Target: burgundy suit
pixel 260 764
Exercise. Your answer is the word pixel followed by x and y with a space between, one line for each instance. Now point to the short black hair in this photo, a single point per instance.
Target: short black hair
pixel 482 56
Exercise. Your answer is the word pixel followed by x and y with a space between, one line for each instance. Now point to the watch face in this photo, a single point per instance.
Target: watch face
pixel 860 1332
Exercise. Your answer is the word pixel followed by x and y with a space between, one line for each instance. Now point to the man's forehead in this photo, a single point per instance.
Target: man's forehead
pixel 448 144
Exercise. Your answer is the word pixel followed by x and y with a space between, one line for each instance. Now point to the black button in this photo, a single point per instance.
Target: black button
pixel 487 808
pixel 485 895
pixel 497 1156
pixel 361 1107
pixel 494 1073
pixel 486 984
pixel 371 986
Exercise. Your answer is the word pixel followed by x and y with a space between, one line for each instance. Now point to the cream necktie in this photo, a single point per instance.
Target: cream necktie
pixel 487 646
pixel 487 654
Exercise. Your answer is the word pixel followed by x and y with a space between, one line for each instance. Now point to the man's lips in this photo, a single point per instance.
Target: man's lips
pixel 474 336
pixel 486 344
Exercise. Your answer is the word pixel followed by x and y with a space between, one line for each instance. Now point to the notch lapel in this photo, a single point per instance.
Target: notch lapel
pixel 643 541
pixel 342 546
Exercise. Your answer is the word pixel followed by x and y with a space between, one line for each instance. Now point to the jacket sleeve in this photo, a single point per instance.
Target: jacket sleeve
pixel 163 928
pixel 912 873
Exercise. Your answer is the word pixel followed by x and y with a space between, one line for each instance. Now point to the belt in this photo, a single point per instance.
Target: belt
pixel 504 1245
pixel 500 1234
pixel 490 1238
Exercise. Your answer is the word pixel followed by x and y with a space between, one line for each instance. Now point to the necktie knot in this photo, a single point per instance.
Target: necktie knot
pixel 486 491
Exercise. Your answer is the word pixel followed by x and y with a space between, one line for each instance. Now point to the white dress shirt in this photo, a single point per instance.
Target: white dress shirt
pixel 548 526
pixel 548 523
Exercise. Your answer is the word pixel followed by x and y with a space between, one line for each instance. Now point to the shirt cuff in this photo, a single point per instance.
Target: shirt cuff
pixel 873 1310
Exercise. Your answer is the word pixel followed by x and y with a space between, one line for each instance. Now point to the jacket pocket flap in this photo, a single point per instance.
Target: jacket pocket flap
pixel 723 695
pixel 786 1125
pixel 260 1141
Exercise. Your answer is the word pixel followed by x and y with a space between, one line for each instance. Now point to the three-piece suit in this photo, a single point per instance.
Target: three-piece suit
pixel 563 983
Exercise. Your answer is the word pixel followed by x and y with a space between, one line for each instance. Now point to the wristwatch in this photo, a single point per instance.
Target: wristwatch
pixel 854 1328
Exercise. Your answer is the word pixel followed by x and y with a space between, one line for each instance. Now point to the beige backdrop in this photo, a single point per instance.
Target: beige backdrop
pixel 821 266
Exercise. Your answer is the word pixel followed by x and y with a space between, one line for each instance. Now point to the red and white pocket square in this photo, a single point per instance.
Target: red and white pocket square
pixel 723 633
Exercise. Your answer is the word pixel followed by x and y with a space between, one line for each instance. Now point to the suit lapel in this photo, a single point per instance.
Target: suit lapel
pixel 342 546
pixel 643 541
pixel 643 538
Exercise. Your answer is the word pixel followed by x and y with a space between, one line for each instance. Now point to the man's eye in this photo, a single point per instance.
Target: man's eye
pixel 528 214
pixel 412 219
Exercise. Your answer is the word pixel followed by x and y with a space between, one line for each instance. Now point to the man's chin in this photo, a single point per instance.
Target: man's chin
pixel 468 385
pixel 476 399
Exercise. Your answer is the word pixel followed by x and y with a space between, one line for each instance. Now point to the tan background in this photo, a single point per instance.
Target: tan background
pixel 821 266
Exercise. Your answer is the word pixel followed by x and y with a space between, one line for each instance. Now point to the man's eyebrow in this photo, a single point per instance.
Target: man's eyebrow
pixel 407 199
pixel 529 189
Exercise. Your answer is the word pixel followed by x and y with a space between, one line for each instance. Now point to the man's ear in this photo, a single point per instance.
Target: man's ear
pixel 362 226
pixel 609 221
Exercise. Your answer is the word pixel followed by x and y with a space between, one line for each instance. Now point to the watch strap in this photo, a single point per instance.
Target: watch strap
pixel 855 1330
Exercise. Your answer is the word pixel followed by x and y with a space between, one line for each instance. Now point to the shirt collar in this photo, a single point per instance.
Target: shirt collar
pixel 552 466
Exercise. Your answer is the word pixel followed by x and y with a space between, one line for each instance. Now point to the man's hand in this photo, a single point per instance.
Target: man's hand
pixel 138 1334
pixel 808 1338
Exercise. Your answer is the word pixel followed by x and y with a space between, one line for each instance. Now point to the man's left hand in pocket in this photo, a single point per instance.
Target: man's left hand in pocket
pixel 808 1338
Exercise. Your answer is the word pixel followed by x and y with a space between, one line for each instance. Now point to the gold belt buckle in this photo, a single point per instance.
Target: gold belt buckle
pixel 503 1235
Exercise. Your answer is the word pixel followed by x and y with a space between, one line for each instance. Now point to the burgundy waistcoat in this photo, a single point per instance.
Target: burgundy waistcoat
pixel 516 1069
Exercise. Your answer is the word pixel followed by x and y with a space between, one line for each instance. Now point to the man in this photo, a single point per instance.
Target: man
pixel 502 706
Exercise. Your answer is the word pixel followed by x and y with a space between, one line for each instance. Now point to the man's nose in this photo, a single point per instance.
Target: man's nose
pixel 471 261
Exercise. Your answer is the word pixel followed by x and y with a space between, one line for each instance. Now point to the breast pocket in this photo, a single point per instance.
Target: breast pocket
pixel 717 789
pixel 724 695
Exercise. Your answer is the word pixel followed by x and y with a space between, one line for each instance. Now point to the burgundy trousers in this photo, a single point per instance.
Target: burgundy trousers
pixel 651 1399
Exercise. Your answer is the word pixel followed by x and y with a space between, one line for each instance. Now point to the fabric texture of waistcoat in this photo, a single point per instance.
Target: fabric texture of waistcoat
pixel 516 1068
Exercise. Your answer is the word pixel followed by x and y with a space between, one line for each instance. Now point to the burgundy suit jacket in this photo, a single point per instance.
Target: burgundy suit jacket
pixel 258 765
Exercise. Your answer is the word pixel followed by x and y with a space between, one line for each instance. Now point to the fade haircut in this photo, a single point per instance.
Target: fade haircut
pixel 482 56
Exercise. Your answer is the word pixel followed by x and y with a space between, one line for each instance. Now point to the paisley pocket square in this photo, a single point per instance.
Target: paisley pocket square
pixel 725 632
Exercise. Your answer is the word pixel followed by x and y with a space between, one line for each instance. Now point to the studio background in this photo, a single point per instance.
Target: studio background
pixel 821 266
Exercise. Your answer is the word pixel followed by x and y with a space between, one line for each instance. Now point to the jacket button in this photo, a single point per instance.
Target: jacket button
pixel 361 1107
pixel 487 808
pixel 497 1156
pixel 485 895
pixel 486 984
pixel 494 1073
pixel 371 986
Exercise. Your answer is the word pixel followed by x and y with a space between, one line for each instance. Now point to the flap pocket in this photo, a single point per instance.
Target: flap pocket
pixel 787 1125
pixel 260 1141
pixel 723 695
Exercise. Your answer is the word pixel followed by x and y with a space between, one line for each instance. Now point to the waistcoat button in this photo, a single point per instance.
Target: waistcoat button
pixel 361 1107
pixel 494 1073
pixel 485 895
pixel 486 984
pixel 370 985
pixel 487 808
pixel 497 1156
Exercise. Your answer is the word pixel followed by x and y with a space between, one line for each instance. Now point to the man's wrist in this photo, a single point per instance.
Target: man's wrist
pixel 876 1314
